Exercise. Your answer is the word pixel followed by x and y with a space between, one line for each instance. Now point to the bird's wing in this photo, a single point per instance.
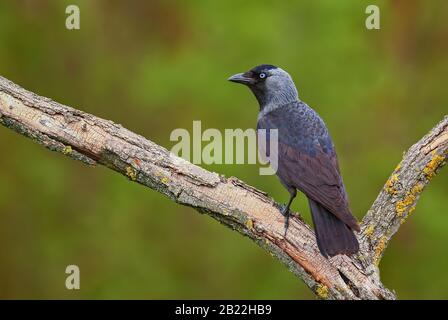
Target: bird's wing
pixel 308 162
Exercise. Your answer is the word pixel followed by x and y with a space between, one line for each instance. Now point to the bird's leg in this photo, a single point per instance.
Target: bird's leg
pixel 285 212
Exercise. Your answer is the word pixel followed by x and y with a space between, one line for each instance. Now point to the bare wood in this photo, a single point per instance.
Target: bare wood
pixel 237 205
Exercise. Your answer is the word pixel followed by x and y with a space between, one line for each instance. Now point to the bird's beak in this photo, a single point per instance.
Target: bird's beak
pixel 241 78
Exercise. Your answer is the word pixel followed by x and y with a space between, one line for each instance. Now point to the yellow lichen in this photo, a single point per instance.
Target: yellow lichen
pixel 433 165
pixel 379 249
pixel 409 212
pixel 408 200
pixel 400 207
pixel 398 167
pixel 130 172
pixel 249 224
pixel 369 230
pixel 417 188
pixel 67 150
pixel 165 180
pixel 322 291
pixel 390 184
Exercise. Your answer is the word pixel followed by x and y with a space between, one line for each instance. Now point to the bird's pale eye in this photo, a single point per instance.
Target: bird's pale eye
pixel 262 75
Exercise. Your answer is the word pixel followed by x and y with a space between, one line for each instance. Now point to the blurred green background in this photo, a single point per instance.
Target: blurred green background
pixel 154 66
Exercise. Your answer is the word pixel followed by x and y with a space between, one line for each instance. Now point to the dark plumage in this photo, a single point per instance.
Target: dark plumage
pixel 307 159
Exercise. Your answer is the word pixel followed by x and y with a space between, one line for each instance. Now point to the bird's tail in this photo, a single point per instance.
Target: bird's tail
pixel 333 236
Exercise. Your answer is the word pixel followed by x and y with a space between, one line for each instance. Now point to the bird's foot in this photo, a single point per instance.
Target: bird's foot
pixel 284 210
pixel 286 213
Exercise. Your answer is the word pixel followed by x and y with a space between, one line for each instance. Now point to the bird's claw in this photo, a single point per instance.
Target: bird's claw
pixel 286 213
pixel 283 209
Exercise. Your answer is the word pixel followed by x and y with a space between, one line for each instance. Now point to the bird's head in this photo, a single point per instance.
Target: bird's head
pixel 270 84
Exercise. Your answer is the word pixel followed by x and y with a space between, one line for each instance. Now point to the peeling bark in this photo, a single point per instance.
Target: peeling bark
pixel 232 202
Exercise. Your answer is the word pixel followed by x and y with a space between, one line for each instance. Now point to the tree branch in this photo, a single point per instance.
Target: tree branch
pixel 399 196
pixel 237 205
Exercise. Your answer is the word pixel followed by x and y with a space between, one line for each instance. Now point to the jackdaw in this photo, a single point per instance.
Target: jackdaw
pixel 306 157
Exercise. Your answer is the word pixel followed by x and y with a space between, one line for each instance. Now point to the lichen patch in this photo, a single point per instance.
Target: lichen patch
pixel 131 173
pixel 431 168
pixel 322 291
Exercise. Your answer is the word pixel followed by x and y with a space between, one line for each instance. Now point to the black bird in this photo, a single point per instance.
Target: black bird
pixel 306 157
